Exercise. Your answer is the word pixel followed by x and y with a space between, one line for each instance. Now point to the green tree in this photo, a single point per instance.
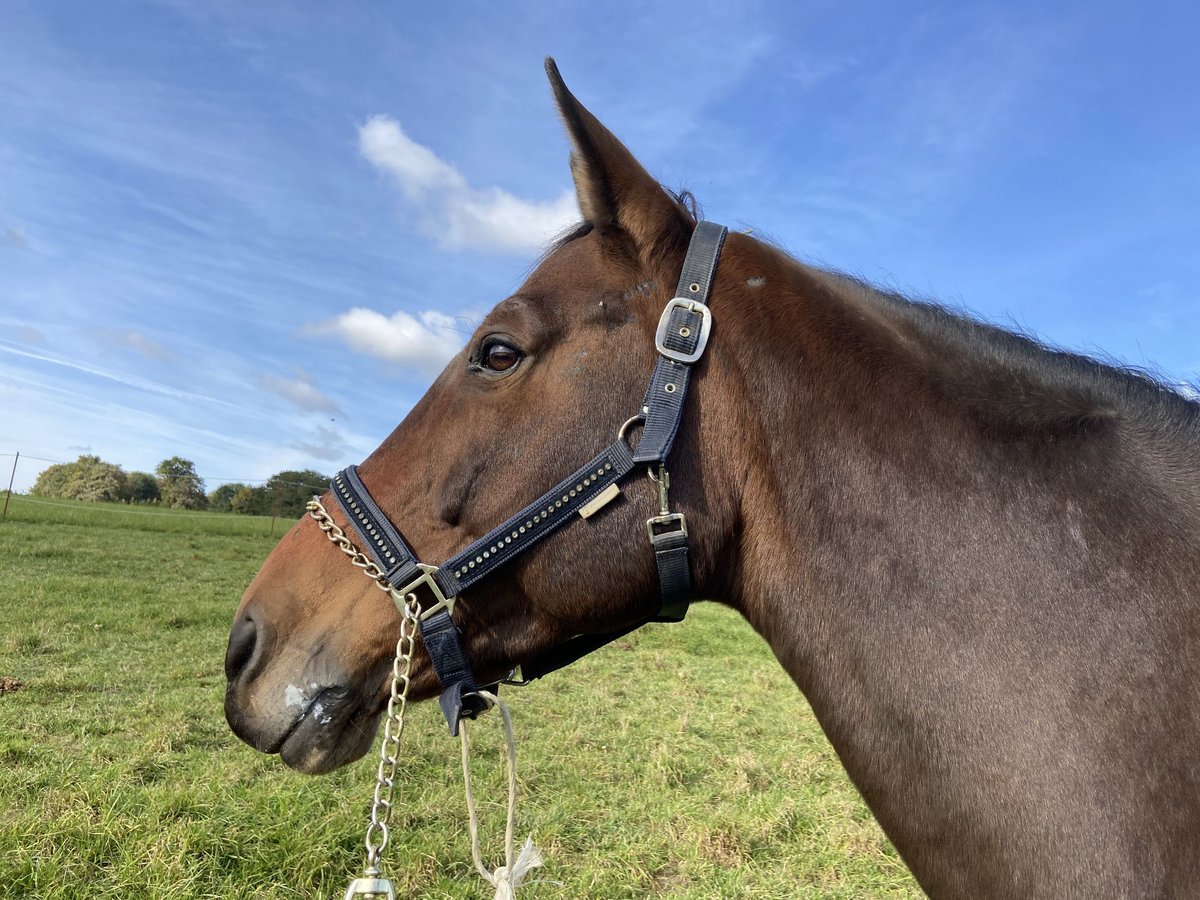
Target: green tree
pixel 95 479
pixel 141 487
pixel 251 501
pixel 179 485
pixel 52 482
pixel 88 478
pixel 220 499
pixel 293 489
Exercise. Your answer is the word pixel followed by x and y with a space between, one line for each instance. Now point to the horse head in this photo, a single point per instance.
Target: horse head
pixel 544 383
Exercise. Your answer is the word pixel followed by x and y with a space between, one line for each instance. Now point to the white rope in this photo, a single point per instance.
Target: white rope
pixel 508 877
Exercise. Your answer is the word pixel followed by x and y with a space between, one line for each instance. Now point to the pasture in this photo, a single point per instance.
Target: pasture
pixel 680 762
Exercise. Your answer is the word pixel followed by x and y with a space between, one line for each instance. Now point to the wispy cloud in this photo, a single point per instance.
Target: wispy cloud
pixel 300 391
pixel 925 121
pixel 450 209
pixel 326 444
pixel 952 100
pixel 147 347
pixel 426 343
pixel 16 237
pixel 136 340
pixel 133 381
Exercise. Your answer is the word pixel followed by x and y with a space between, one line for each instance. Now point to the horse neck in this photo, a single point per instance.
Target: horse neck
pixel 843 448
pixel 861 471
pixel 905 569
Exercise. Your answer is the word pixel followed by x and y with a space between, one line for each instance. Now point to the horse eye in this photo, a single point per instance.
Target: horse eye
pixel 500 357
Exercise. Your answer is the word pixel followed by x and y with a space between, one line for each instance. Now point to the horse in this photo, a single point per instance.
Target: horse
pixel 976 556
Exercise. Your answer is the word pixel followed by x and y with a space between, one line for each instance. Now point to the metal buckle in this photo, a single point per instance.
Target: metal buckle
pixel 664 325
pixel 668 519
pixel 426 578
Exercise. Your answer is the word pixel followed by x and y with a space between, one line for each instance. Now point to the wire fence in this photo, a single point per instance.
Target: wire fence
pixel 25 511
pixel 38 501
pixel 17 457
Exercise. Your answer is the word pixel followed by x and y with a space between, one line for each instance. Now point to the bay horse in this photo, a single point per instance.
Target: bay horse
pixel 977 557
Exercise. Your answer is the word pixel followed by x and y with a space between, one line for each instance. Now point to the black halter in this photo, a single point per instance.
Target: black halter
pixel 682 336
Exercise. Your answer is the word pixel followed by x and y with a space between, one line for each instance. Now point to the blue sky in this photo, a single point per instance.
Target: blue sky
pixel 250 233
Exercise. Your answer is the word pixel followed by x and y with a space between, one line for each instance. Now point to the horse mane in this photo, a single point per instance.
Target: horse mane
pixel 1012 383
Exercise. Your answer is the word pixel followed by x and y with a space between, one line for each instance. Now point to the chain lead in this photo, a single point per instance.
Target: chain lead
pixel 371 884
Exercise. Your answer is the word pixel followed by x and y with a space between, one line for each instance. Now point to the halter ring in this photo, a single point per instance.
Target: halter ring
pixel 640 417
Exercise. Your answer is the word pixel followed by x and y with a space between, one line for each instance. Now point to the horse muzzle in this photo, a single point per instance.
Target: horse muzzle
pixel 299 705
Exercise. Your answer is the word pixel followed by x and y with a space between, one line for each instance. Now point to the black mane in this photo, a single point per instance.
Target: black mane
pixel 1014 382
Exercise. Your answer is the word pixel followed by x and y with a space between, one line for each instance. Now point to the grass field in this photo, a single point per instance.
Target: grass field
pixel 679 763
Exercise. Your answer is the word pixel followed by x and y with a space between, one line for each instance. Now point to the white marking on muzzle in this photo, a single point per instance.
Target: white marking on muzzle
pixel 294 696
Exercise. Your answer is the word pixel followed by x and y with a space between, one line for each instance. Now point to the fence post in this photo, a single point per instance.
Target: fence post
pixel 274 509
pixel 11 478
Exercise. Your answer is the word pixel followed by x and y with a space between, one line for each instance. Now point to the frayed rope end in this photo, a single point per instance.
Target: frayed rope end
pixel 507 882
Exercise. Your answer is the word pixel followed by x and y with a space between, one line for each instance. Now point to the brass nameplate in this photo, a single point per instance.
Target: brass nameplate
pixel 601 500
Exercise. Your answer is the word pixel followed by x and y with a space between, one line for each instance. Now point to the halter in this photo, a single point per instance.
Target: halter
pixel 682 335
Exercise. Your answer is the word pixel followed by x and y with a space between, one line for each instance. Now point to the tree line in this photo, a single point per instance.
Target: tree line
pixel 175 483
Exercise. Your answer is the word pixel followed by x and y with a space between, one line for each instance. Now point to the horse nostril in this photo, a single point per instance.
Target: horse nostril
pixel 242 640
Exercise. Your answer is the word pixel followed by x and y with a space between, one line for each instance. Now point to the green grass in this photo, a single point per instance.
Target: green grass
pixel 680 762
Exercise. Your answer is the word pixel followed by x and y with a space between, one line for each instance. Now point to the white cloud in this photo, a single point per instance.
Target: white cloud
pixel 453 211
pixel 299 390
pixel 425 343
pixel 495 218
pixel 417 169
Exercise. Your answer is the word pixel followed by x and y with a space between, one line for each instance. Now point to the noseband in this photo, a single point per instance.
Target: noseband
pixel 681 338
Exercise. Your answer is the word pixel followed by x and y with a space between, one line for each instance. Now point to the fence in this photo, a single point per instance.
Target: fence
pixel 17 457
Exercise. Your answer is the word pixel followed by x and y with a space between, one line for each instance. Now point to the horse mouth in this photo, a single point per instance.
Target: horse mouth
pixel 331 731
pixel 327 729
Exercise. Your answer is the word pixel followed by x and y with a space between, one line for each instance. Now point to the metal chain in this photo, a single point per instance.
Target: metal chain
pixel 393 729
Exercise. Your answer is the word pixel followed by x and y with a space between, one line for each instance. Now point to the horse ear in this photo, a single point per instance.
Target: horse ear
pixel 613 189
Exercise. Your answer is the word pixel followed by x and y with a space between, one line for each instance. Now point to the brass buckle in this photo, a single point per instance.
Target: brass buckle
pixel 668 519
pixel 426 578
